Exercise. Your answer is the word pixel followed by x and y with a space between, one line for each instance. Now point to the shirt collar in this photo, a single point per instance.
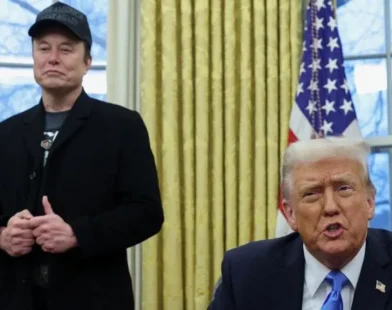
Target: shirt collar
pixel 315 272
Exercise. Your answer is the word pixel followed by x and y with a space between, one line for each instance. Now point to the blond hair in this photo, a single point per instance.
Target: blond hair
pixel 307 151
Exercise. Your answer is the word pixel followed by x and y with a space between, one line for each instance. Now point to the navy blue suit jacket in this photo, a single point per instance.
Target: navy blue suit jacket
pixel 269 274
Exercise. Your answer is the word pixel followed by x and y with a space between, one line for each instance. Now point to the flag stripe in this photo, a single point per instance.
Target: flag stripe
pixel 292 137
pixel 299 124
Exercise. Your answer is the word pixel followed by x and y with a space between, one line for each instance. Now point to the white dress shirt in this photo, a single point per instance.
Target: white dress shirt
pixel 316 289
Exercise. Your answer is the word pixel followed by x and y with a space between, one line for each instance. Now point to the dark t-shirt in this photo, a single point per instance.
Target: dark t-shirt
pixel 53 123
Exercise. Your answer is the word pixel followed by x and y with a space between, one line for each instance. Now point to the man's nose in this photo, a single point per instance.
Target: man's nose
pixel 331 207
pixel 54 57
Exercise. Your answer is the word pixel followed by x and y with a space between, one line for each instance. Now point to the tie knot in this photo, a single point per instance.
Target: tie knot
pixel 337 279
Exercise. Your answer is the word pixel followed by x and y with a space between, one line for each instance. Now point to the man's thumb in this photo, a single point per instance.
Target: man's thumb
pixel 47 206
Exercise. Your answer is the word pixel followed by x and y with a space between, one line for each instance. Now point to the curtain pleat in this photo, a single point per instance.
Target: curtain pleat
pixel 217 83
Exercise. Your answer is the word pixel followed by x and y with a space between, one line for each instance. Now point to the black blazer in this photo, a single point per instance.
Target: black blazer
pixel 102 180
pixel 270 275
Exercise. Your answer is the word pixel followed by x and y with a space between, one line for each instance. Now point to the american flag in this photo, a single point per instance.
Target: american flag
pixel 323 104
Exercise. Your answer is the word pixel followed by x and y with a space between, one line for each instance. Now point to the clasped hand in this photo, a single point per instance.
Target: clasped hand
pixel 49 231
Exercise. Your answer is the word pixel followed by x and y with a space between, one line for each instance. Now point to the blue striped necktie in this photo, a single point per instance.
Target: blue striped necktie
pixel 334 300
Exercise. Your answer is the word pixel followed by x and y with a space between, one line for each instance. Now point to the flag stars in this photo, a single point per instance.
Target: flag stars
pixel 332 65
pixel 313 85
pixel 317 44
pixel 327 127
pixel 318 23
pixel 346 106
pixel 320 4
pixel 302 68
pixel 315 65
pixel 345 86
pixel 333 43
pixel 300 88
pixel 329 107
pixel 330 86
pixel 311 108
pixel 332 23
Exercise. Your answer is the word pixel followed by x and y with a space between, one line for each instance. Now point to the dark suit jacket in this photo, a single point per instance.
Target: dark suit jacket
pixel 102 180
pixel 270 275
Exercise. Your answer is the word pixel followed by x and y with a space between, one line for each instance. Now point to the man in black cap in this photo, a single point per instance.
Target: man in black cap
pixel 78 183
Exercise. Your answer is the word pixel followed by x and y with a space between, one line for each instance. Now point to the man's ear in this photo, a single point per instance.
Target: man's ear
pixel 371 205
pixel 88 63
pixel 290 214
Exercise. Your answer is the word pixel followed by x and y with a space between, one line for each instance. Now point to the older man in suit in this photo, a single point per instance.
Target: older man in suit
pixel 332 261
pixel 78 183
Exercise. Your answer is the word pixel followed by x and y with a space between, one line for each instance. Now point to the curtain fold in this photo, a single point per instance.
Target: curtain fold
pixel 218 79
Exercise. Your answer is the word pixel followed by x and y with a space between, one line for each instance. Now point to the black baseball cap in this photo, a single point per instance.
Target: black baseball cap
pixel 62 14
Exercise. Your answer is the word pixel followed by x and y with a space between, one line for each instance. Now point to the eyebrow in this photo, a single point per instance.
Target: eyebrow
pixel 305 186
pixel 343 177
pixel 347 176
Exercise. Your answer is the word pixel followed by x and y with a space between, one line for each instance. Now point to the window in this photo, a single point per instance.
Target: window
pixel 365 31
pixel 18 90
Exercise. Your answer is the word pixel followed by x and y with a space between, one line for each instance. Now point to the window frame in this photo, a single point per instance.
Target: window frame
pixel 383 143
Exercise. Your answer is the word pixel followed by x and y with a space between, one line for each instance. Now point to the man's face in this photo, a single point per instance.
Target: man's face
pixel 59 62
pixel 330 192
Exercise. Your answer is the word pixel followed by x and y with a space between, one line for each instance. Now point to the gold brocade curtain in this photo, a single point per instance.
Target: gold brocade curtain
pixel 218 79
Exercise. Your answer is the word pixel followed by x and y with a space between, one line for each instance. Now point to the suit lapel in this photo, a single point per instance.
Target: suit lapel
pixel 376 267
pixel 35 126
pixel 75 120
pixel 287 280
pixel 33 133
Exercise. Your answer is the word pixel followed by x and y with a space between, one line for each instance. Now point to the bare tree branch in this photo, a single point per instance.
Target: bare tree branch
pixel 26 6
pixel 16 25
pixel 382 202
pixel 341 2
pixel 98 40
